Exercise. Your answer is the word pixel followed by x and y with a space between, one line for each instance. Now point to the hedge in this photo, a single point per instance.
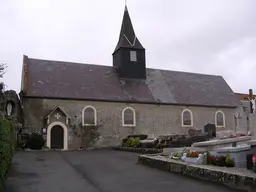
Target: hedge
pixel 139 150
pixel 6 148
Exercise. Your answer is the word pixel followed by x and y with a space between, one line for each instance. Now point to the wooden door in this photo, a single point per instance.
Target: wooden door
pixel 57 137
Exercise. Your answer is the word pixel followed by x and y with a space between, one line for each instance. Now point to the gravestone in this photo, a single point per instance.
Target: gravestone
pixel 210 129
pixel 252 114
pixel 252 125
pixel 238 153
pixel 192 132
pixel 252 102
pixel 249 163
pixel 240 115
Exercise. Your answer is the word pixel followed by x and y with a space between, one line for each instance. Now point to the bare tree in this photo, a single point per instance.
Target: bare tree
pixel 2 72
pixel 88 135
pixel 2 69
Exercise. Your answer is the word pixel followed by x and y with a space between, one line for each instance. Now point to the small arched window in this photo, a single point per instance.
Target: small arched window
pixel 89 116
pixel 187 118
pixel 219 119
pixel 128 117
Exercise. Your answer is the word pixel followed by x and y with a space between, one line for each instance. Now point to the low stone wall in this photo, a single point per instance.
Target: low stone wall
pixel 231 177
pixel 219 143
pixel 139 150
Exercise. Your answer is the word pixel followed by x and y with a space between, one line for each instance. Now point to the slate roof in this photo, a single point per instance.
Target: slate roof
pixel 127 37
pixel 64 80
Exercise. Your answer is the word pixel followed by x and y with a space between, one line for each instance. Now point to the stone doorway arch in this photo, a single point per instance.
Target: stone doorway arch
pixel 57 136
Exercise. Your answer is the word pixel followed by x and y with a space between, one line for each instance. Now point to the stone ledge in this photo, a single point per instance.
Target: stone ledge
pixel 232 177
pixel 221 141
pixel 139 150
pixel 236 149
pixel 252 142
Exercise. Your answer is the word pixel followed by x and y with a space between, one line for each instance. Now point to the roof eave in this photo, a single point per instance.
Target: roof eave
pixel 133 101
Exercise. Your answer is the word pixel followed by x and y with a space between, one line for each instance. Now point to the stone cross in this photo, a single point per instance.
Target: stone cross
pixel 238 115
pixel 57 116
pixel 252 102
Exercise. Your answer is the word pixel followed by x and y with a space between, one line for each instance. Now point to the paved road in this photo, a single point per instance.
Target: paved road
pixel 95 171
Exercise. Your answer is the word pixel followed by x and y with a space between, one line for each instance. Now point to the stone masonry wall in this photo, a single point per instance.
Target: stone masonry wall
pixel 150 119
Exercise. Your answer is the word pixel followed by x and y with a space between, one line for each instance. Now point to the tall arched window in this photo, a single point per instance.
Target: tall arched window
pixel 128 117
pixel 187 118
pixel 219 119
pixel 89 116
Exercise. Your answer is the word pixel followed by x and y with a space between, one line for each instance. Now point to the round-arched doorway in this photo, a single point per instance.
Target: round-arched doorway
pixel 57 137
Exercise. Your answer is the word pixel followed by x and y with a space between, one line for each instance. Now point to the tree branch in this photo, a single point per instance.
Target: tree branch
pixel 2 69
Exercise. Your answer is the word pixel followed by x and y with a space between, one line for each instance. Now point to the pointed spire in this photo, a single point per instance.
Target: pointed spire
pixel 127 36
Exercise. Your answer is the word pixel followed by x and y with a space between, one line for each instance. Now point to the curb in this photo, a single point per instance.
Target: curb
pixel 234 180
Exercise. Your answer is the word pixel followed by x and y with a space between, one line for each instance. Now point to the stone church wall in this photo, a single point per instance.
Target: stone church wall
pixel 150 119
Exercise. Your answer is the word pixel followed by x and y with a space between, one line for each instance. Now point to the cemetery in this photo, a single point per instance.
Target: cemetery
pixel 230 161
pixel 227 157
pixel 235 150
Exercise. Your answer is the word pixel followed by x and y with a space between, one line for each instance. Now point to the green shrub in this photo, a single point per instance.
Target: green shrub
pixel 229 162
pixel 133 142
pixel 35 141
pixel 141 137
pixel 6 148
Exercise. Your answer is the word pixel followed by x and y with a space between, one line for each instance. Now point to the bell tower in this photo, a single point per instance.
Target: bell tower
pixel 129 54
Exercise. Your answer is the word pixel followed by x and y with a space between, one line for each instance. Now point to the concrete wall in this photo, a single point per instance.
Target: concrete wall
pixel 150 119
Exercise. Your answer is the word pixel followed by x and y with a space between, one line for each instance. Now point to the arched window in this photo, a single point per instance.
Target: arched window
pixel 128 117
pixel 89 116
pixel 187 118
pixel 219 119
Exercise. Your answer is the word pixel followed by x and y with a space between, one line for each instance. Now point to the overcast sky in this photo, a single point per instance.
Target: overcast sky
pixel 204 36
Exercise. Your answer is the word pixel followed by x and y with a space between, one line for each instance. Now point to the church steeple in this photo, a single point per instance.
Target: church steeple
pixel 127 37
pixel 129 54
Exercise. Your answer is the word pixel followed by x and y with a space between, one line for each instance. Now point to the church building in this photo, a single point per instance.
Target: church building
pixel 125 98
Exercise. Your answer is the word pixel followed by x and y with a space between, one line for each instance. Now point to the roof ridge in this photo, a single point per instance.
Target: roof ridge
pixel 185 72
pixel 68 62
